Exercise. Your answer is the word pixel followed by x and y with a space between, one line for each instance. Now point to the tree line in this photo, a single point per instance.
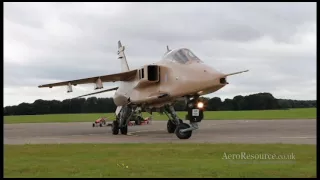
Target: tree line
pixel 259 101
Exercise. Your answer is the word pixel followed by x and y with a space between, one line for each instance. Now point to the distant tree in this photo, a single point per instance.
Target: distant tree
pixel 214 104
pixel 227 105
pixel 259 101
pixel 239 103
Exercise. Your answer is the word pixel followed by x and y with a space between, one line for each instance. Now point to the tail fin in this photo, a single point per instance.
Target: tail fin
pixel 122 57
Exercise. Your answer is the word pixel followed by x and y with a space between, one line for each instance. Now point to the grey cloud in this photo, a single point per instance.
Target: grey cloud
pixel 19 12
pixel 36 74
pixel 216 19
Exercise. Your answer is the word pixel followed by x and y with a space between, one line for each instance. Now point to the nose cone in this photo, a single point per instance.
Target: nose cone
pixel 213 72
pixel 219 78
pixel 207 73
pixel 213 81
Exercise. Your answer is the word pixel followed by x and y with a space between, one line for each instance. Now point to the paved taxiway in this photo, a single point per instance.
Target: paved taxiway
pixel 219 131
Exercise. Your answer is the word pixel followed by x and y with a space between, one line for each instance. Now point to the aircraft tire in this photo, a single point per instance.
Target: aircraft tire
pixel 124 130
pixel 185 135
pixel 93 124
pixel 115 128
pixel 171 127
pixel 138 120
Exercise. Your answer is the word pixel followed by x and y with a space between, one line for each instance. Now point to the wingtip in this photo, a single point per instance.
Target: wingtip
pixel 43 86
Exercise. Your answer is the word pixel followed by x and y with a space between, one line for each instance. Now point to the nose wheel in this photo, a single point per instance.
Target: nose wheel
pixel 171 127
pixel 183 135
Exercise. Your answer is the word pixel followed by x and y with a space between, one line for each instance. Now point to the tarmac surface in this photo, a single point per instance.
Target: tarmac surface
pixel 210 131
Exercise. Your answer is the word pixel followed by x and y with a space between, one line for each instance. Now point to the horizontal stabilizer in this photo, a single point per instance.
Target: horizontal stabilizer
pixel 107 90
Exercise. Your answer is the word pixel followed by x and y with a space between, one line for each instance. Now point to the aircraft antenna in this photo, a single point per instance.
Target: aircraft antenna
pixel 168 50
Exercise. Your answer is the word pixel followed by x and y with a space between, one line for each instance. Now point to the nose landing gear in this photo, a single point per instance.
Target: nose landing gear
pixel 177 126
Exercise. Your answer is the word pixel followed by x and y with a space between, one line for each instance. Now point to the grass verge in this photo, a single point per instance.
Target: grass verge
pixel 158 160
pixel 303 113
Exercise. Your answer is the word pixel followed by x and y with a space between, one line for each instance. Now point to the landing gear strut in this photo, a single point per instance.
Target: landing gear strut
pixel 173 119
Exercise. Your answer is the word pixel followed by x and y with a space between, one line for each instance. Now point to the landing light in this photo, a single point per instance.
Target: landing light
pixel 200 104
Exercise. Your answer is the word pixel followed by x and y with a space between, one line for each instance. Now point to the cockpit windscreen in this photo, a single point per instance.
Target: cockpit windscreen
pixel 182 56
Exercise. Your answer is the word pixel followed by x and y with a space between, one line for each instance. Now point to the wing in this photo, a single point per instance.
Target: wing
pixel 112 89
pixel 124 76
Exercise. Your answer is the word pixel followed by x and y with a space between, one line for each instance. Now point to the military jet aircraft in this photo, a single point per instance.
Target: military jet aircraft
pixel 155 87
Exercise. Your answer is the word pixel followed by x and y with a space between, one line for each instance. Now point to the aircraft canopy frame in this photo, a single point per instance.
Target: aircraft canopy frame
pixel 182 56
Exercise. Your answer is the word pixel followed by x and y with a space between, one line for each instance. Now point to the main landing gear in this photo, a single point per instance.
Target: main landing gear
pixel 123 118
pixel 177 126
pixel 121 122
pixel 174 124
pixel 115 128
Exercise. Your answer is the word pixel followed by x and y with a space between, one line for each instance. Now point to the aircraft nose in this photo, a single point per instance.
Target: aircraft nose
pixel 223 81
pixel 215 73
pixel 212 77
pixel 220 78
pixel 216 77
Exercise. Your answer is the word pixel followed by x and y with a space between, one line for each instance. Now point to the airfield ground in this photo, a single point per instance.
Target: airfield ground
pixel 157 160
pixel 303 113
pixel 200 156
pixel 226 131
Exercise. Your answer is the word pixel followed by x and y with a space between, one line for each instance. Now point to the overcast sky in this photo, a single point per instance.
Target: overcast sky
pixel 50 42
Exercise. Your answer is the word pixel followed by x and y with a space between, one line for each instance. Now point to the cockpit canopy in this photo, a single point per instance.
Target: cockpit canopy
pixel 182 56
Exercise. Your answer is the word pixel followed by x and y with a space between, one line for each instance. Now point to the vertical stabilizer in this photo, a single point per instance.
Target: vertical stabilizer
pixel 122 58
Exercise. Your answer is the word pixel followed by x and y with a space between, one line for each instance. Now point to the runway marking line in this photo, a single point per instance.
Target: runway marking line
pixel 271 137
pixel 300 137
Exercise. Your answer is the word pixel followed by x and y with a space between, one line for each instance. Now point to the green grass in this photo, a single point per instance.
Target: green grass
pixel 156 160
pixel 303 113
